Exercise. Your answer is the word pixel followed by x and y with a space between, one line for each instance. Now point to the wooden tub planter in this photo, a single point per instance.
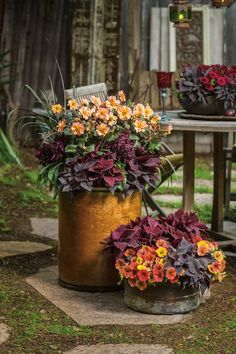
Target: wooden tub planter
pixel 85 220
pixel 162 299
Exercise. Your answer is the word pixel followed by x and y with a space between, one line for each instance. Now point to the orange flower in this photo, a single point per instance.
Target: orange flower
pixel 141 285
pixel 124 112
pixel 129 252
pixel 73 104
pixel 119 263
pixel 112 119
pixel 132 282
pixel 85 112
pixel 171 273
pixel 122 96
pixel 215 267
pixel 139 110
pixel 140 126
pixel 155 120
pixel 162 243
pixel 102 114
pixel 77 128
pixel 159 276
pixel 102 129
pixel 219 276
pixel 202 250
pixel 84 102
pixel 156 268
pixel 61 125
pixel 96 101
pixel 112 102
pixel 56 108
pixel 143 275
pixel 148 112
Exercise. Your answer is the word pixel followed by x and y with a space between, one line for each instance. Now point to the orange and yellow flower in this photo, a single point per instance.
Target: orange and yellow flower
pixel 57 108
pixel 140 126
pixel 139 110
pixel 112 119
pixel 102 129
pixel 202 250
pixel 112 102
pixel 85 112
pixel 162 243
pixel 124 112
pixel 121 96
pixel 215 267
pixel 77 128
pixel 148 112
pixel 61 125
pixel 103 114
pixel 218 255
pixel 73 104
pixel 96 101
pixel 155 120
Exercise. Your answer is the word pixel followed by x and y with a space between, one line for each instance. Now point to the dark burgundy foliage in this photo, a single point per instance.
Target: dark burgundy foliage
pixel 94 170
pixel 173 228
pixel 117 166
pixel 51 152
pixel 185 257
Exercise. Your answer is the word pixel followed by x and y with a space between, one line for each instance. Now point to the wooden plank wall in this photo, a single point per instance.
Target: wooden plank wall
pixel 36 32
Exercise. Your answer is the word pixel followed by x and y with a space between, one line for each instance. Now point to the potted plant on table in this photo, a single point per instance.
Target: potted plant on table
pixel 166 262
pixel 98 156
pixel 208 90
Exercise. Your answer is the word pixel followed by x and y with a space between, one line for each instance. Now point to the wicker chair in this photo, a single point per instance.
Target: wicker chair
pixel 169 164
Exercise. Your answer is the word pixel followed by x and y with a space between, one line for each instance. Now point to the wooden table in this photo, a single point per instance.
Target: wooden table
pixel 218 128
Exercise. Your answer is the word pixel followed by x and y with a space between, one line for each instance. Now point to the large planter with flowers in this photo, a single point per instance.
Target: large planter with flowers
pixel 86 146
pixel 85 218
pixel 208 90
pixel 167 263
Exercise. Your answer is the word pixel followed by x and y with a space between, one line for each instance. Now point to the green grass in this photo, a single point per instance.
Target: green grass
pixel 4 225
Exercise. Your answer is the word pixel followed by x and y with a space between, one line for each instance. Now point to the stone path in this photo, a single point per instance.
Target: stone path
pixel 121 349
pixel 17 248
pixel 93 308
pixel 46 227
pixel 4 333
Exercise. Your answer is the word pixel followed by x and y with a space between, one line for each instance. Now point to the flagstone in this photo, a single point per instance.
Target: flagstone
pixel 16 248
pixel 45 227
pixel 93 308
pixel 4 333
pixel 121 349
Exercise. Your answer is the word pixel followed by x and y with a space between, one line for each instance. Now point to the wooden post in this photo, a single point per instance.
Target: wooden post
pixel 219 170
pixel 188 170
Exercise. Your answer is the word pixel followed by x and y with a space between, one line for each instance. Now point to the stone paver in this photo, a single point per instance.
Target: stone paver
pixel 16 248
pixel 4 333
pixel 93 308
pixel 121 349
pixel 45 227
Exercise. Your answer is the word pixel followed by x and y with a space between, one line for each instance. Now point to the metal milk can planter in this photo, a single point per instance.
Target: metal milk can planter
pixel 85 220
pixel 162 299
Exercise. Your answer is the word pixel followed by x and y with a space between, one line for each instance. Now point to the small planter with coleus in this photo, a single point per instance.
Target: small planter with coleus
pixel 167 262
pixel 98 156
pixel 208 90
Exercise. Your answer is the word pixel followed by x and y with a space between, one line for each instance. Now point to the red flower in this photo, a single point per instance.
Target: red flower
pixel 222 81
pixel 204 80
pixel 141 285
pixel 171 273
pixel 132 282
pixel 209 87
pixel 159 276
pixel 213 74
pixel 143 275
pixel 156 268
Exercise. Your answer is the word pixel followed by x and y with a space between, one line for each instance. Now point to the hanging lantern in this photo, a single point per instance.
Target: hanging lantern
pixel 220 3
pixel 181 13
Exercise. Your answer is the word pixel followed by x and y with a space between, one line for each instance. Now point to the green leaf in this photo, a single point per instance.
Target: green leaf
pixel 71 148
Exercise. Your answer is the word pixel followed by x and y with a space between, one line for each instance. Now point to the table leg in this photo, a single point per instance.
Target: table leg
pixel 219 171
pixel 188 170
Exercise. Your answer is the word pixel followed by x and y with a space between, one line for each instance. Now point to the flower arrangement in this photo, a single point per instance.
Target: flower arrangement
pixel 198 83
pixel 172 249
pixel 114 144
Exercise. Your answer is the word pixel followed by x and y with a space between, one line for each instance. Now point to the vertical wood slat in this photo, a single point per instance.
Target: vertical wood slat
pixel 188 170
pixel 219 173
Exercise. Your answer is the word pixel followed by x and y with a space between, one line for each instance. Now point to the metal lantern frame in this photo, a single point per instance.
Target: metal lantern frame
pixel 180 13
